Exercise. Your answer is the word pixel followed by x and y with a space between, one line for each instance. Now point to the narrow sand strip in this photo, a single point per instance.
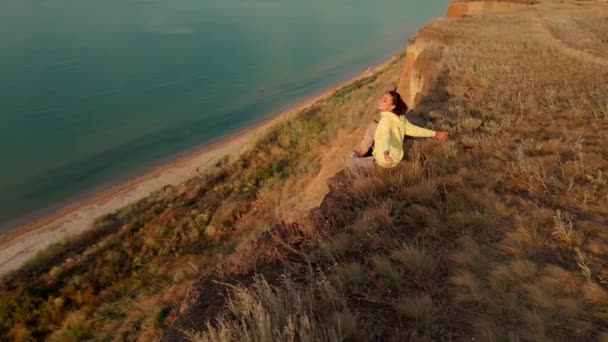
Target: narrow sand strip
pixel 22 243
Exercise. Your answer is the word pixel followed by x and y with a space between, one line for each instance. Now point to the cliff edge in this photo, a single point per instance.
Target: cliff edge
pixel 495 235
pixel 458 8
pixel 421 74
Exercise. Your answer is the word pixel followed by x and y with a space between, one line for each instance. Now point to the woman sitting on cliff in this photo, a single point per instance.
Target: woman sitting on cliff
pixel 383 140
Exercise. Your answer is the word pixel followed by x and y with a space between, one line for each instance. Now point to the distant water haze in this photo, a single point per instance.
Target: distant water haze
pixel 95 92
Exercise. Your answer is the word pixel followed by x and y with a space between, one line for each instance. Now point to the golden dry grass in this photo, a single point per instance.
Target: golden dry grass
pixel 499 235
pixel 262 312
pixel 127 278
pixel 581 26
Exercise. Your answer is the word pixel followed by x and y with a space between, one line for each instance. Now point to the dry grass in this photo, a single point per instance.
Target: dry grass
pixel 584 28
pixel 289 312
pixel 415 259
pixel 419 309
pixel 151 251
pixel 499 235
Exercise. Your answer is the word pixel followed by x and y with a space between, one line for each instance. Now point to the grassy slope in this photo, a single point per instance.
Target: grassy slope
pixel 498 235
pixel 126 278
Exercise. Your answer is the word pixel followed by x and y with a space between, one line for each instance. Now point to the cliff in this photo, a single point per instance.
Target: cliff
pixel 497 234
pixel 465 240
pixel 459 8
pixel 421 74
pixel 422 64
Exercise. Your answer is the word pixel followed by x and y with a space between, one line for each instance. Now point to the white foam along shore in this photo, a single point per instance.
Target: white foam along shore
pixel 22 243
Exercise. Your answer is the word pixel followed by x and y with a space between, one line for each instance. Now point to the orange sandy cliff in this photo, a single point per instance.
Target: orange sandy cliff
pixel 496 234
pixel 421 74
pixel 460 8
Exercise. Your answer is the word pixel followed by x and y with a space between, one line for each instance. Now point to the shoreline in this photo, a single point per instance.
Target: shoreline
pixel 21 243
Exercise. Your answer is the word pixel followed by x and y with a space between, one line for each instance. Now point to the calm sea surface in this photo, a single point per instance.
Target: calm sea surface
pixel 92 92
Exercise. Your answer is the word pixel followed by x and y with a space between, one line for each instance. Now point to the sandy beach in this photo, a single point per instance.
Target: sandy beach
pixel 22 243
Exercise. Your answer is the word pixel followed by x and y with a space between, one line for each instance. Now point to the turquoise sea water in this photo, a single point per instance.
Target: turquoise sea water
pixel 93 92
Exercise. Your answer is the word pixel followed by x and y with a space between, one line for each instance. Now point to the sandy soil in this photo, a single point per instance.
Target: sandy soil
pixel 22 243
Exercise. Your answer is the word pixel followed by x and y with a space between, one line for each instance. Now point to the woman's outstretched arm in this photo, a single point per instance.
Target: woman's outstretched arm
pixel 419 132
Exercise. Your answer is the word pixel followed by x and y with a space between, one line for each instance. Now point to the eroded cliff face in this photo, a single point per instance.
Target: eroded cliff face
pixel 422 64
pixel 423 55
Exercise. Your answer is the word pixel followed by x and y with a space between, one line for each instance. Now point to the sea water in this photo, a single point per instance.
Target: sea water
pixel 93 92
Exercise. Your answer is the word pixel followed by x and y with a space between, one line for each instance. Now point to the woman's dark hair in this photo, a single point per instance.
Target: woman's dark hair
pixel 400 106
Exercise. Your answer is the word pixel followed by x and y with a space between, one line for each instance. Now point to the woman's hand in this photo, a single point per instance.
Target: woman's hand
pixel 441 135
pixel 387 159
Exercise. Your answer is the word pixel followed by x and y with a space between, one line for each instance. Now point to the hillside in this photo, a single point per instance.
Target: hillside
pixel 125 278
pixel 499 234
